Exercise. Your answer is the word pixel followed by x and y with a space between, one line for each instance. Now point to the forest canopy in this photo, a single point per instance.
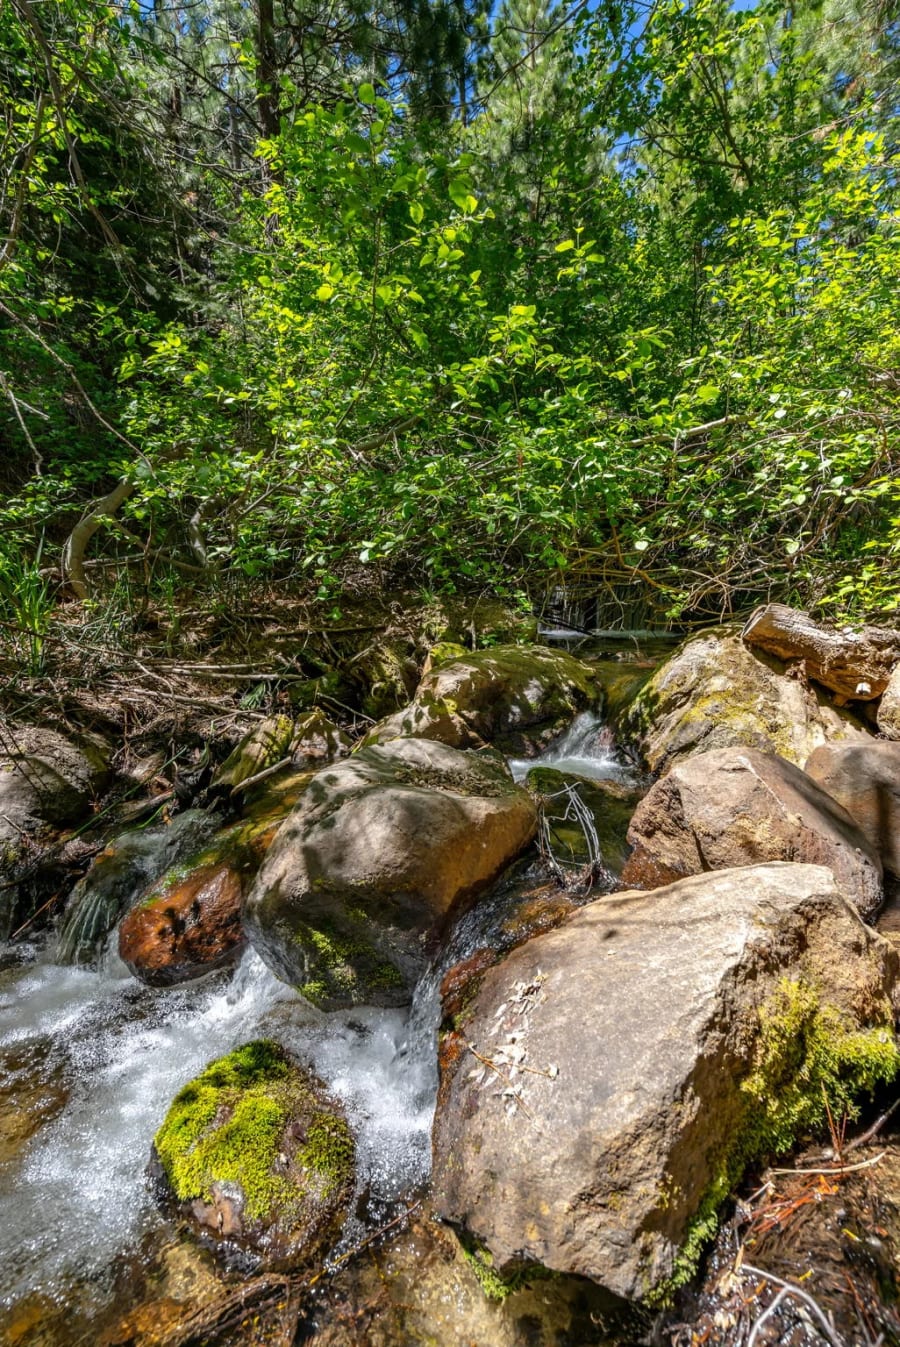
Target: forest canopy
pixel 303 291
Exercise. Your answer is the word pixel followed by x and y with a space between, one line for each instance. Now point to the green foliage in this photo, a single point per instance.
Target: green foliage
pixel 630 315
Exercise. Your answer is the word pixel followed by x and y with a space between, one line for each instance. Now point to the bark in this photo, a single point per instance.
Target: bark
pixel 854 663
pixel 76 544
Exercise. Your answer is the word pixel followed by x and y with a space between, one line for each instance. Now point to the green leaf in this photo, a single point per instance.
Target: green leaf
pixel 416 212
pixel 366 94
pixel 566 246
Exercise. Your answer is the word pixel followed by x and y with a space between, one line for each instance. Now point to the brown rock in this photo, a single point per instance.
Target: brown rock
pixel 853 662
pixel 188 929
pixel 611 1079
pixel 736 807
pixel 865 779
pixel 888 715
pixel 378 854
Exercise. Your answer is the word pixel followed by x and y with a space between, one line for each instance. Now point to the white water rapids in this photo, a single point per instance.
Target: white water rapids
pixel 76 1197
pixel 97 1057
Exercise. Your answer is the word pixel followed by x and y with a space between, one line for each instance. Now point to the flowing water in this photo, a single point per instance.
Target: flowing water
pixel 104 1057
pixel 585 749
pixel 90 1060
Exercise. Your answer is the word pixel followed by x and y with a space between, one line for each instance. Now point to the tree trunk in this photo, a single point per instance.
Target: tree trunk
pixel 855 664
pixel 84 530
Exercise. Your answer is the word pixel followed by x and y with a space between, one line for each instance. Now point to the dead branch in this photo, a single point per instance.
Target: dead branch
pixel 77 541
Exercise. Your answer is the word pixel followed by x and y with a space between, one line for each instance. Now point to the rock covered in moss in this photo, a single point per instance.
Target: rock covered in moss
pixel 736 806
pixel 715 693
pixel 380 850
pixel 254 1152
pixel 514 697
pixel 266 744
pixel 611 1080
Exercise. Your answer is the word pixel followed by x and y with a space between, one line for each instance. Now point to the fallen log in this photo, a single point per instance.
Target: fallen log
pixel 854 663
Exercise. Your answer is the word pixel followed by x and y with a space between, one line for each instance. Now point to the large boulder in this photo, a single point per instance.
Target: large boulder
pixel 865 779
pixel 254 1153
pixel 738 806
pixel 125 867
pixel 379 852
pixel 609 1082
pixel 46 779
pixel 517 698
pixel 714 693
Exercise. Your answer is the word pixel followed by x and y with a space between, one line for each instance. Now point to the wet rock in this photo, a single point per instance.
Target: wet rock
pixel 125 867
pixel 865 779
pixel 714 693
pixel 189 922
pixel 254 1153
pixel 33 1091
pixel 423 1289
pixel 888 714
pixel 611 1080
pixel 514 697
pixel 379 852
pixel 737 806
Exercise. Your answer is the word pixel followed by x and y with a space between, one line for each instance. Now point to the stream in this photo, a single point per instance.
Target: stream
pixel 90 1060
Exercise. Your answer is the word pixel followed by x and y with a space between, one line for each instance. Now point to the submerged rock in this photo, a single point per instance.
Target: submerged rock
pixel 609 806
pixel 608 1083
pixel 253 1152
pixel 737 806
pixel 380 850
pixel 715 693
pixel 125 867
pixel 514 697
pixel 865 780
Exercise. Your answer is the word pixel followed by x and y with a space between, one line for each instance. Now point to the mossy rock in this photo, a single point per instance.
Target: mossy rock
pixel 254 1153
pixel 716 693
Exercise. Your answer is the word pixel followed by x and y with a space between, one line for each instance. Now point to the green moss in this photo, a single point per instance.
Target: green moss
pixel 344 967
pixel 495 1285
pixel 226 1126
pixel 328 1152
pixel 805 1053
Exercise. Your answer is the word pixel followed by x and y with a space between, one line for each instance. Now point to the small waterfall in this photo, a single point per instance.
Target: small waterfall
pixel 118 876
pixel 587 748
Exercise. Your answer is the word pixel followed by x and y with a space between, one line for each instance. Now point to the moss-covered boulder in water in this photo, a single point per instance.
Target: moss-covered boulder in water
pixel 609 1082
pixel 253 1152
pixel 516 698
pixel 381 851
pixel 715 693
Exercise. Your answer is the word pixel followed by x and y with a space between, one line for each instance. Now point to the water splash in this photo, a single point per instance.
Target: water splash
pixel 76 1196
pixel 587 748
